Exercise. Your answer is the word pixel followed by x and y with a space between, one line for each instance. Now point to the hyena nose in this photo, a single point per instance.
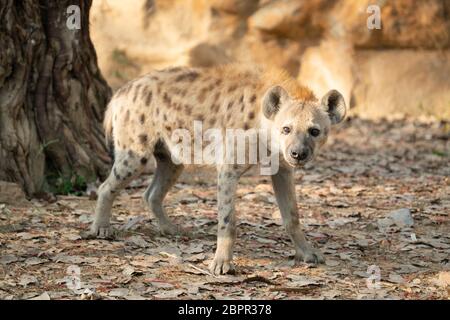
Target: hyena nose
pixel 300 156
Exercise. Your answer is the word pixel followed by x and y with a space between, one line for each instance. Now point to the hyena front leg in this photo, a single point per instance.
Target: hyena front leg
pixel 127 166
pixel 228 178
pixel 284 187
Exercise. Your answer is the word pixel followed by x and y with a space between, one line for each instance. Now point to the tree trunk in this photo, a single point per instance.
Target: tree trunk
pixel 52 95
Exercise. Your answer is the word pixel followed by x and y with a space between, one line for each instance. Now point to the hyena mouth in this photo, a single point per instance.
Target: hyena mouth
pixel 299 163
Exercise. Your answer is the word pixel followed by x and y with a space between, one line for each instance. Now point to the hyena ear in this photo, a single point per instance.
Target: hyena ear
pixel 333 103
pixel 272 101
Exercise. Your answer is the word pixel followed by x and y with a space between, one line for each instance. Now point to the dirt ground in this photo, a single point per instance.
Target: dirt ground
pixel 367 171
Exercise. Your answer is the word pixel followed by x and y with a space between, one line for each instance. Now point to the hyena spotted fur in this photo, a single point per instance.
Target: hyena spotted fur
pixel 142 115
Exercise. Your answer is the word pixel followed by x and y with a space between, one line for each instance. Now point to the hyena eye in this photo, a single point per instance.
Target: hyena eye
pixel 286 130
pixel 314 132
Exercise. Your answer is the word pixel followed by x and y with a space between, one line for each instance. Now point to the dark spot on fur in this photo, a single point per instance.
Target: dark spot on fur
pixel 142 118
pixel 127 116
pixel 218 82
pixel 174 69
pixel 166 98
pixel 130 154
pixel 232 88
pixel 143 138
pixel 136 92
pixel 125 163
pixel 148 99
pixel 251 115
pixel 212 121
pixel 119 92
pixel 246 126
pixel 129 174
pixel 176 91
pixel 241 99
pixel 126 89
pixel 187 109
pixel 230 105
pixel 165 117
pixel 116 174
pixel 253 98
pixel 202 95
pixel 217 96
pixel 226 219
pixel 144 161
pixel 189 76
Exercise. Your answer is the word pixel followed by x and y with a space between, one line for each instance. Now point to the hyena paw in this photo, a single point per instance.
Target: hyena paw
pixel 221 266
pixel 310 255
pixel 100 232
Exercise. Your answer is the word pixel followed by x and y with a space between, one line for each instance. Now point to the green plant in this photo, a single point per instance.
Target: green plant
pixel 67 184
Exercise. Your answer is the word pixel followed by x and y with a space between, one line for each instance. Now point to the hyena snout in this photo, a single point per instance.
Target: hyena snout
pixel 299 154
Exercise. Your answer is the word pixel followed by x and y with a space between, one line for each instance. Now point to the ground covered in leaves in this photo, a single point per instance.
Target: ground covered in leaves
pixel 348 199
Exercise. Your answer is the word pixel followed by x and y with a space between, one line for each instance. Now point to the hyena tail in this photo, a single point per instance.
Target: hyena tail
pixel 108 126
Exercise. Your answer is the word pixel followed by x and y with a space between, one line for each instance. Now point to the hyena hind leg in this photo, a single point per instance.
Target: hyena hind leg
pixel 166 174
pixel 127 167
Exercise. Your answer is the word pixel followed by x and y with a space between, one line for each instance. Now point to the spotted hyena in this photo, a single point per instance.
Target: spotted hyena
pixel 143 115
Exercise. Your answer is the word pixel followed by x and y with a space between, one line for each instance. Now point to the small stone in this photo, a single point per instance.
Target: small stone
pixel 402 217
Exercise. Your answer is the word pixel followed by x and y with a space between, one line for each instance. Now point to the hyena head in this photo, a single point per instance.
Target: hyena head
pixel 301 127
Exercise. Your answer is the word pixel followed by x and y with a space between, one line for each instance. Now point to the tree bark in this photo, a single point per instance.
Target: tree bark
pixel 52 95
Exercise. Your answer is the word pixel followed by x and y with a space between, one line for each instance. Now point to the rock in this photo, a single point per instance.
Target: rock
pixel 402 217
pixel 404 23
pixel 402 82
pixel 329 66
pixel 294 19
pixel 11 193
pixel 384 224
pixel 207 55
pixel 325 44
pixel 270 50
pixel 241 7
